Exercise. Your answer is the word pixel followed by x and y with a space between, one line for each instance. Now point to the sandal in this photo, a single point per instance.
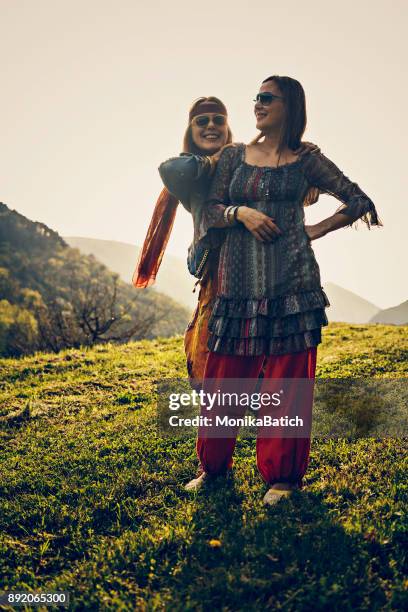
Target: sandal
pixel 273 496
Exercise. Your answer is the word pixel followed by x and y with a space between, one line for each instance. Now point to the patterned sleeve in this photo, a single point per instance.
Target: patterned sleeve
pixel 312 194
pixel 328 178
pixel 218 197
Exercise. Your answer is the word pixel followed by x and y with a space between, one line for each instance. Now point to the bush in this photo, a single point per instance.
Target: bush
pixel 18 330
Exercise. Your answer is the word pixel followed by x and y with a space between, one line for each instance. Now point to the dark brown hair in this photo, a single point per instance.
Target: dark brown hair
pixel 294 123
pixel 189 145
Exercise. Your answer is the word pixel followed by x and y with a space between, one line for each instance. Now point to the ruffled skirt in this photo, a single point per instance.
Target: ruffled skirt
pixel 270 326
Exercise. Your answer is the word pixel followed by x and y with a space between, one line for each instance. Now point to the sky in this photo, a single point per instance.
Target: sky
pixel 95 95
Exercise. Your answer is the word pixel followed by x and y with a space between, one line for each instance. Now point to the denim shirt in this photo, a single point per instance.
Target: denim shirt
pixel 188 178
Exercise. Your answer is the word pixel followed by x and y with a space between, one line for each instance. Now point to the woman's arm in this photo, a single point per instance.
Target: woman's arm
pixel 335 221
pixel 328 178
pixel 179 174
pixel 260 225
pixel 218 198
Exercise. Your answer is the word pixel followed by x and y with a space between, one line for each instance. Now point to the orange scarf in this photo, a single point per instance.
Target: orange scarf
pixel 156 240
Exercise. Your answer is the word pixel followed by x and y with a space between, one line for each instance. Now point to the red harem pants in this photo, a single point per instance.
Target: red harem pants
pixel 278 459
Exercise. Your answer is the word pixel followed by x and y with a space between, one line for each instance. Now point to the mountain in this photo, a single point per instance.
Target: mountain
pixel 347 306
pixel 53 297
pixel 173 278
pixel 398 315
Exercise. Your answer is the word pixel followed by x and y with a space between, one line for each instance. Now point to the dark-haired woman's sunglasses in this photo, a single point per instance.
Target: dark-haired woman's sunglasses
pixel 267 98
pixel 204 120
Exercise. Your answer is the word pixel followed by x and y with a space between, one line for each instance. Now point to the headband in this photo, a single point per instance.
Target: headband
pixel 207 107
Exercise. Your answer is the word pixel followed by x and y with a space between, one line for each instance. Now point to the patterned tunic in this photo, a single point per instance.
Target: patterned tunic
pixel 270 299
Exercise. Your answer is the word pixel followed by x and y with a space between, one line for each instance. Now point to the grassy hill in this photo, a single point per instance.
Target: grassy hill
pixel 92 497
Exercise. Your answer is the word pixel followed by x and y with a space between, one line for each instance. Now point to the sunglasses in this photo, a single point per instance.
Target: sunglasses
pixel 267 98
pixel 204 120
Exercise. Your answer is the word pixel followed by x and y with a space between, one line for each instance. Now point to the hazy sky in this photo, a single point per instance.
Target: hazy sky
pixel 95 93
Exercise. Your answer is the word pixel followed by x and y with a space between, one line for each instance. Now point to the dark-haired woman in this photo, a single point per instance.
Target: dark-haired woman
pixel 187 179
pixel 270 305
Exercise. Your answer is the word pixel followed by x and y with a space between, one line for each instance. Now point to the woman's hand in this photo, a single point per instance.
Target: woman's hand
pixel 306 146
pixel 216 156
pixel 260 225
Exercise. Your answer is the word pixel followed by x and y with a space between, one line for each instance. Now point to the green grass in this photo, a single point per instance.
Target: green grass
pixel 92 498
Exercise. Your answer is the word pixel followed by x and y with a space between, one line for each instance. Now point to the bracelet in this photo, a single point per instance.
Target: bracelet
pixel 226 213
pixel 231 216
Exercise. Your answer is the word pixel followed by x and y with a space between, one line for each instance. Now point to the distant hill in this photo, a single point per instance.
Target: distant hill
pixel 53 297
pixel 347 306
pixel 398 315
pixel 173 278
